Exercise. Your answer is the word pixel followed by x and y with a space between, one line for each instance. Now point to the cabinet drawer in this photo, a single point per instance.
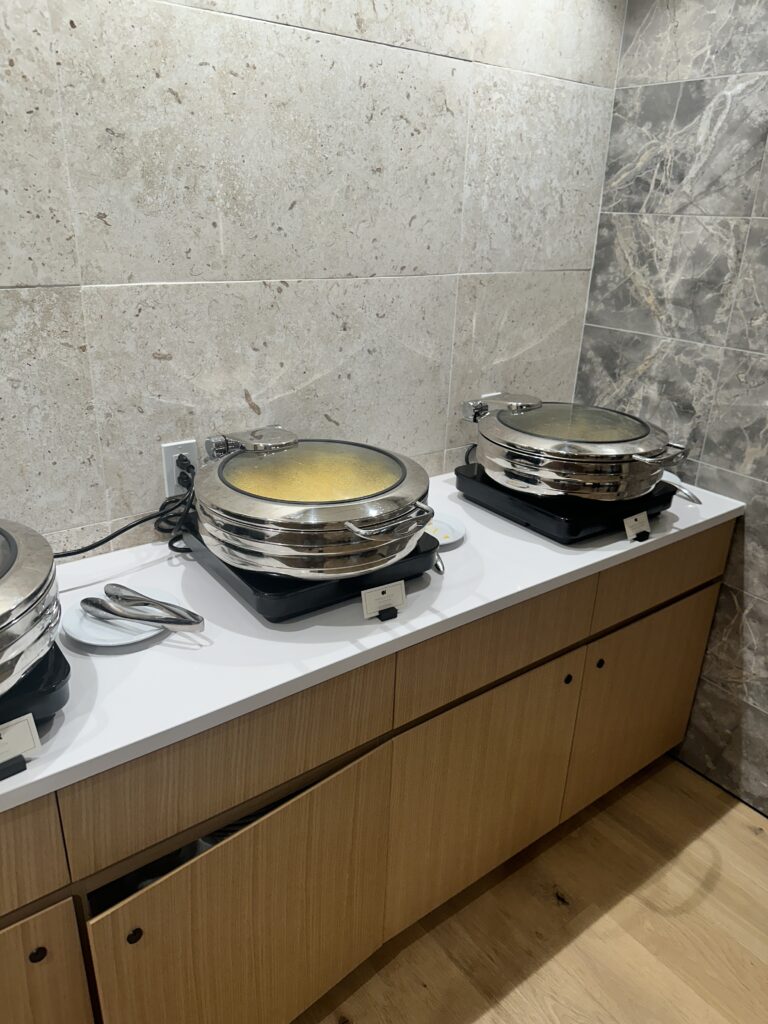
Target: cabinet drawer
pixel 438 671
pixel 32 858
pixel 646 582
pixel 636 696
pixel 262 925
pixel 476 784
pixel 150 799
pixel 50 988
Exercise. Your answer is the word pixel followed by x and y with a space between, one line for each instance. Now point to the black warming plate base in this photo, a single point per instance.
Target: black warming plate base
pixel 41 692
pixel 565 520
pixel 278 598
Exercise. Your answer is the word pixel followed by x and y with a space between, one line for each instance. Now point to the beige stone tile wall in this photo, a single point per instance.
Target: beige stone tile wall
pixel 343 216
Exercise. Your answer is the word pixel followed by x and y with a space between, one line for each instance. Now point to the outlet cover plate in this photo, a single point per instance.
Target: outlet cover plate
pixel 171 451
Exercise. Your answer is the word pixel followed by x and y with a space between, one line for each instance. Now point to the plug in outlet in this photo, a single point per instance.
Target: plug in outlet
pixel 171 451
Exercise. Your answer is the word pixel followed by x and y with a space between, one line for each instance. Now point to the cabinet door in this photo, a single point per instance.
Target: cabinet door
pixel 42 979
pixel 476 784
pixel 439 671
pixel 32 857
pixel 259 927
pixel 636 698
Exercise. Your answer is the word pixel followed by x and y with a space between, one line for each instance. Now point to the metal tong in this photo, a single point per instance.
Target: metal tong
pixel 123 603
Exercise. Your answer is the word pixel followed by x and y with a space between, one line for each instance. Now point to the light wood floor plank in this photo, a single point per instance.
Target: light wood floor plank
pixel 650 908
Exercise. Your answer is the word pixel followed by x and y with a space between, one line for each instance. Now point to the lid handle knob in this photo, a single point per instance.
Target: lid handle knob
pixel 262 439
pixel 516 404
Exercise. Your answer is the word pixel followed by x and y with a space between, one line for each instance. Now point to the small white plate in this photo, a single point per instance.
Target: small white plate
pixel 450 532
pixel 80 626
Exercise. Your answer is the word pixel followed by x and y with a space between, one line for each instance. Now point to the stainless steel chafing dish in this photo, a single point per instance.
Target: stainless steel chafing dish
pixel 29 603
pixel 560 448
pixel 309 508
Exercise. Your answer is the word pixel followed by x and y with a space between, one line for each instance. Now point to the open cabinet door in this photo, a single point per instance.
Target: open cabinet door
pixel 256 929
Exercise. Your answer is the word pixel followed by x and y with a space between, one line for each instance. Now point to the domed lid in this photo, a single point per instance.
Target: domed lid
pixel 313 472
pixel 586 424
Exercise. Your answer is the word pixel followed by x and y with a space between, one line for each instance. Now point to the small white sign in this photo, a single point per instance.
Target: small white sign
pixel 377 599
pixel 18 737
pixel 637 525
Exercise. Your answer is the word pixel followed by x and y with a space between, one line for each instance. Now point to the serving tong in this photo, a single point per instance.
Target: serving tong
pixel 121 602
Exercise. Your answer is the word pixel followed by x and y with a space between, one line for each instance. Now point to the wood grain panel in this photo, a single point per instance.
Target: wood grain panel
pixel 52 990
pixel 636 706
pixel 262 925
pixel 644 583
pixel 153 797
pixel 476 784
pixel 32 857
pixel 441 670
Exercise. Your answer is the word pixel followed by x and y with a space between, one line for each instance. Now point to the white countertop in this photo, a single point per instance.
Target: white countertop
pixel 124 705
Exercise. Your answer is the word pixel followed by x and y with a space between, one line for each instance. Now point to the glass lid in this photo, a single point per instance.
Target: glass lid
pixel 7 552
pixel 588 424
pixel 314 472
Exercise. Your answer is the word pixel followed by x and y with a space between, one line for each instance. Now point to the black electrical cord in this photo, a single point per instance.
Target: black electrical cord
pixel 170 518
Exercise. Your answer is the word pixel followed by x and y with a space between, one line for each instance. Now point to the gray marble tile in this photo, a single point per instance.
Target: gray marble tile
pixel 577 41
pixel 671 383
pixel 359 359
pixel 37 244
pixel 749 322
pixel 737 435
pixel 533 190
pixel 78 536
pixel 694 148
pixel 668 276
pixel 52 476
pixel 737 654
pixel 727 741
pixel 670 41
pixel 220 147
pixel 761 200
pixel 440 26
pixel 432 462
pixel 453 458
pixel 748 561
pixel 515 332
pixel 552 37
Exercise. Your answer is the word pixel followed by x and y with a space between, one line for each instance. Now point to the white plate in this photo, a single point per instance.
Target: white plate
pixel 82 627
pixel 450 532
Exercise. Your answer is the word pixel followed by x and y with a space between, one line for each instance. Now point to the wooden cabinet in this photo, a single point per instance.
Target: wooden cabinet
pixel 145 801
pixel 448 667
pixel 262 925
pixel 42 979
pixel 32 857
pixel 476 784
pixel 652 579
pixel 636 696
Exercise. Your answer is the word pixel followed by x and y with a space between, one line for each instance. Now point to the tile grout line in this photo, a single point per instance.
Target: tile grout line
pixel 683 341
pixel 378 42
pixel 694 79
pixel 470 113
pixel 729 693
pixel 299 280
pixel 600 204
pixel 762 176
pixel 81 295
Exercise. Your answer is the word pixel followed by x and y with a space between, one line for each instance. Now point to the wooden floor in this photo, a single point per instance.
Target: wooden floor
pixel 650 908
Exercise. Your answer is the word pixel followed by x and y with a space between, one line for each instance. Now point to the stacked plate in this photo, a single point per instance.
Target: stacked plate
pixel 29 602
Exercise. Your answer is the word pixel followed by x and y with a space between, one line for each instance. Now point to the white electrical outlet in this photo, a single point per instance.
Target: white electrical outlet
pixel 171 451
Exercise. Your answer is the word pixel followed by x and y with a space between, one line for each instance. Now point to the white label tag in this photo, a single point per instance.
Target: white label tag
pixel 378 598
pixel 636 525
pixel 18 737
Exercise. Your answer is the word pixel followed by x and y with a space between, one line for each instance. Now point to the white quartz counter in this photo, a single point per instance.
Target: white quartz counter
pixel 127 704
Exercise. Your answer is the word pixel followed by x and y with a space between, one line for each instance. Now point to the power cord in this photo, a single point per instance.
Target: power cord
pixel 171 517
